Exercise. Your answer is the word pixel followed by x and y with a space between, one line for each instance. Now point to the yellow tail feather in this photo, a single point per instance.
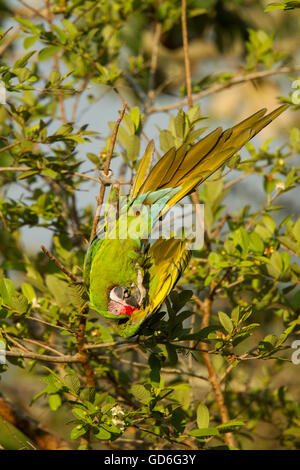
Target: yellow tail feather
pixel 187 169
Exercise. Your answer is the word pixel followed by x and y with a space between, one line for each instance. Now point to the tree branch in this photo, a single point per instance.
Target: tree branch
pixel 217 88
pixel 43 438
pixel 88 370
pixel 187 65
pixel 59 265
pixel 56 66
pixel 213 377
pixel 44 357
pixel 106 168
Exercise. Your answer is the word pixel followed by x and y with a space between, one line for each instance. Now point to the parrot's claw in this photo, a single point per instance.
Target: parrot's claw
pixel 107 180
pixel 140 286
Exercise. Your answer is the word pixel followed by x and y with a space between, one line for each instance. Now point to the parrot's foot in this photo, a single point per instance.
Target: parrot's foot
pixel 141 287
pixel 107 180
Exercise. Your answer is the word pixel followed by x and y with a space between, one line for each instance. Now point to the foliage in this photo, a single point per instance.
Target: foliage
pixel 155 389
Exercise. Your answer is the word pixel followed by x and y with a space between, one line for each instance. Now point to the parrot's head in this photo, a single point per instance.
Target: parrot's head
pixel 124 300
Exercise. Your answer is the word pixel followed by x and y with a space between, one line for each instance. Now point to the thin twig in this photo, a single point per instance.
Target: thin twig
pixel 213 377
pixel 108 345
pixel 43 357
pixel 75 173
pixel 41 345
pixel 249 225
pixel 188 80
pixel 106 168
pixel 3 149
pixel 206 304
pixel 10 40
pixel 286 249
pixel 88 370
pixel 16 343
pixel 219 227
pixel 5 32
pixel 217 88
pixel 236 180
pixel 146 114
pixel 48 324
pixel 187 65
pixel 32 9
pixel 56 66
pixel 78 96
pixel 59 265
pixel 153 64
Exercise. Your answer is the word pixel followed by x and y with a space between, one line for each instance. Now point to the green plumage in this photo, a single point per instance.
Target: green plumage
pixel 120 269
pixel 131 261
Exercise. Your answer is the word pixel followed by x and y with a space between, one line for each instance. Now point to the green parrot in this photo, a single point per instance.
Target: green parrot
pixel 128 278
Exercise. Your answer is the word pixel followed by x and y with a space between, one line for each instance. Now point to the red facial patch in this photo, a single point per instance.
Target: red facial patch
pixel 127 310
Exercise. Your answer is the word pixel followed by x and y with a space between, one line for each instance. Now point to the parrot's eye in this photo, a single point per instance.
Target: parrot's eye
pixel 126 295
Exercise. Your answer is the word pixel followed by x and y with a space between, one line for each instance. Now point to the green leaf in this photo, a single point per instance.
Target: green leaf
pixel 296 230
pixel 78 431
pixel 29 41
pixel 103 434
pixel 93 158
pixel 179 124
pixel 231 425
pixel 133 147
pixel 290 5
pixel 274 6
pixel 268 343
pixel 204 432
pixel 28 291
pixel 77 294
pixel 141 393
pixel 72 382
pixel 269 184
pixel 11 438
pixel 255 243
pixel 241 238
pixel 202 416
pixel 64 130
pixel 59 290
pixel 235 315
pixel 155 365
pixel 135 116
pixel 269 223
pixel 28 24
pixel 54 402
pixel 225 322
pixel 20 63
pixel 194 134
pixel 129 124
pixel 70 28
pixel 50 173
pixel 48 52
pixel 7 290
pixel 194 114
pixel 166 140
pixel 19 303
pixel 275 266
pixel 80 413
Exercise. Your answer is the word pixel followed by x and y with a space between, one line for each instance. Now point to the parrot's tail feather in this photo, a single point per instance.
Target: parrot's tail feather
pixel 186 169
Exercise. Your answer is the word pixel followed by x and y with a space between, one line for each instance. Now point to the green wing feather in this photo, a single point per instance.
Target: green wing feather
pixel 168 259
